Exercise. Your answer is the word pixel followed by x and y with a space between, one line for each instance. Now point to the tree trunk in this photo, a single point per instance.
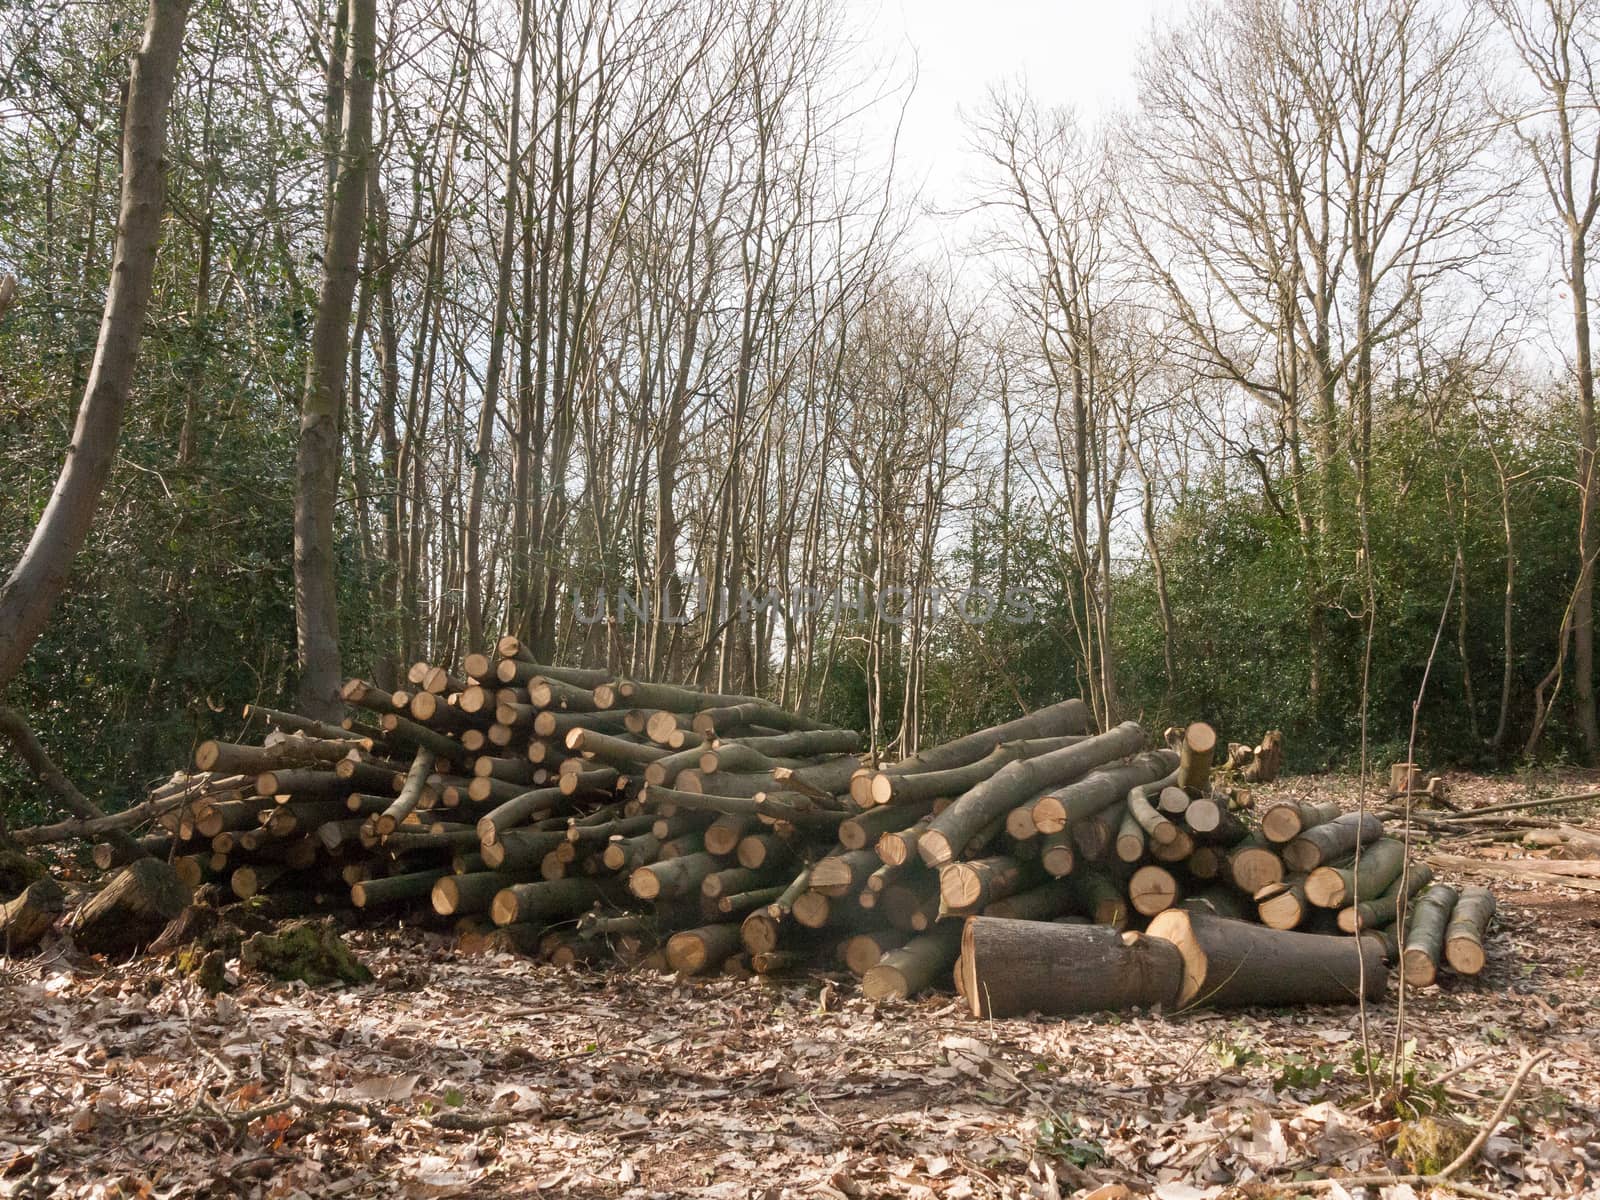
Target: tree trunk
pixel 318 453
pixel 1015 967
pixel 40 575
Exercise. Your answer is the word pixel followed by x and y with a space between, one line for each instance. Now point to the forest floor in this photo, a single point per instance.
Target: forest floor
pixel 490 1077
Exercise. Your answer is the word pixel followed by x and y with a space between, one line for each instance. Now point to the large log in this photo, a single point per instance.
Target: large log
pixel 231 758
pixel 697 951
pixel 1233 963
pixel 1016 967
pixel 30 914
pixel 990 800
pixel 891 787
pixel 131 910
pixel 967 887
pixel 1196 745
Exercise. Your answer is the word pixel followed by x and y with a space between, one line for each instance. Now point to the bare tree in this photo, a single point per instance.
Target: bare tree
pixel 318 459
pixel 1556 41
pixel 31 590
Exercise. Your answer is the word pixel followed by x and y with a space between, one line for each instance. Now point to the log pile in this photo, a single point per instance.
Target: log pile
pixel 1038 864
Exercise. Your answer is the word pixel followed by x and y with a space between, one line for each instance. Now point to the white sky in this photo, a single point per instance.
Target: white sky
pixel 1080 53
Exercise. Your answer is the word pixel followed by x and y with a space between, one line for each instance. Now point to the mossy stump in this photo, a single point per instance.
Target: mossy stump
pixel 310 951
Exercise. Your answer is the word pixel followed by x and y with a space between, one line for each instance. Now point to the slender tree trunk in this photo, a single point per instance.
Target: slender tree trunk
pixel 1588 512
pixel 317 460
pixel 41 573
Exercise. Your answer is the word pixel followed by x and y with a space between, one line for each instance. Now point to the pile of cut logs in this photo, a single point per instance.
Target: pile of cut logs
pixel 577 816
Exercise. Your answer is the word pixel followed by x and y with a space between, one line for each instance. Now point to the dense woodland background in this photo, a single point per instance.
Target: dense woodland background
pixel 1256 391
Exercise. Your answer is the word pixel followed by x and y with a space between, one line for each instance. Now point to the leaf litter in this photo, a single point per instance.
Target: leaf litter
pixel 491 1076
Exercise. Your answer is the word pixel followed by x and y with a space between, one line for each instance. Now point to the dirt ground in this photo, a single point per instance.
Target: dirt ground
pixel 491 1076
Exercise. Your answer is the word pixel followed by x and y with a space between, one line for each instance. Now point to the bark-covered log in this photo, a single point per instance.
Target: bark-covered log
pixel 1016 967
pixel 1234 963
pixel 1099 790
pixel 918 964
pixel 548 899
pixel 1196 746
pixel 1386 909
pixel 1427 921
pixel 966 887
pixel 410 792
pixel 841 874
pixel 1288 819
pixel 1332 840
pixel 231 758
pixel 1367 877
pixel 990 800
pixel 1049 900
pixel 1463 936
pixel 864 829
pixel 1066 718
pixel 26 917
pixel 132 908
pixel 702 950
pixel 675 877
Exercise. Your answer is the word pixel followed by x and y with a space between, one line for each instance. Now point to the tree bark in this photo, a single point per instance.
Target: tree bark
pixel 318 452
pixel 1015 967
pixel 40 575
pixel 1233 963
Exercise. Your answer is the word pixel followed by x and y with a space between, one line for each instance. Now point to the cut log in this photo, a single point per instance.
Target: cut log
pixel 1234 963
pixel 1062 806
pixel 1209 819
pixel 463 893
pixel 702 950
pixel 863 951
pixel 841 874
pixel 1288 819
pixel 1196 746
pixel 547 899
pixel 1152 890
pixel 1463 936
pixel 132 908
pixel 675 877
pixel 1254 864
pixel 396 889
pixel 865 829
pixel 1377 866
pixel 992 799
pixel 1056 854
pixel 30 914
pixel 1015 967
pixel 230 758
pixel 410 792
pixel 966 887
pixel 1427 921
pixel 1386 909
pixel 923 960
pixel 1332 840
pixel 1095 835
pixel 1057 720
pixel 1283 905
